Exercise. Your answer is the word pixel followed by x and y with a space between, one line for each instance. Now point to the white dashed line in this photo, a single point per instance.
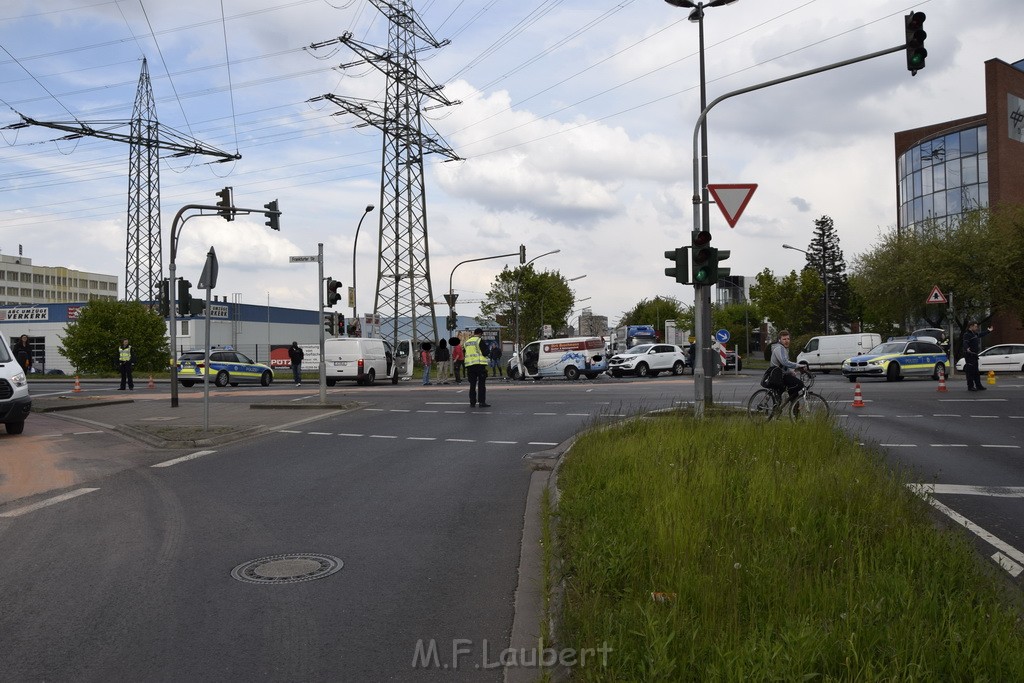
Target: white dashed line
pixel 965 490
pixel 541 443
pixel 461 440
pixel 504 442
pixel 948 445
pixel 421 438
pixel 289 431
pixel 577 414
pixel 545 413
pixel 344 434
pixel 95 431
pixel 898 445
pixel 400 410
pixel 184 458
pixel 321 433
pixel 998 445
pixel 427 411
pixel 18 512
pixel 1009 565
pixel 383 436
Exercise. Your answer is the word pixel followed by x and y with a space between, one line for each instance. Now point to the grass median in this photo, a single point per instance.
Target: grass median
pixel 775 552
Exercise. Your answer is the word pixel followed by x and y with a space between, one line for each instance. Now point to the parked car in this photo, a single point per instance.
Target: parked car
pixel 365 360
pixel 648 360
pixel 15 402
pixel 895 360
pixel 827 352
pixel 227 366
pixel 1002 357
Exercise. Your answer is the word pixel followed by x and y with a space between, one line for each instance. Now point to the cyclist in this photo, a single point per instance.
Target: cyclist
pixel 780 358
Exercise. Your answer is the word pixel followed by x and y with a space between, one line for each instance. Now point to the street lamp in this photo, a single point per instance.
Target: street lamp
pixel 366 211
pixel 824 272
pixel 542 296
pixel 702 298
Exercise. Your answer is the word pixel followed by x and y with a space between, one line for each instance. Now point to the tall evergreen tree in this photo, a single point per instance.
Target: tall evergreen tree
pixel 825 256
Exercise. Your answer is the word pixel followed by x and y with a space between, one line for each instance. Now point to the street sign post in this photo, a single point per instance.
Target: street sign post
pixel 303 259
pixel 936 296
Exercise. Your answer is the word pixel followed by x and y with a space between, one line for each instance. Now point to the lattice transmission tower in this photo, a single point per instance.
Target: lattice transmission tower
pixel 403 263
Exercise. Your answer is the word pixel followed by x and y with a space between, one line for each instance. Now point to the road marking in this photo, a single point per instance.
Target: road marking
pixel 421 438
pixel 904 416
pixel 1009 565
pixel 18 512
pixel 455 412
pixel 898 445
pixel 1006 549
pixel 427 411
pixel 577 414
pixel 948 445
pixel 983 417
pixel 374 410
pixel 184 458
pixel 443 403
pixel 998 445
pixel 541 443
pixel 289 431
pixel 965 490
pixel 462 440
pixel 945 415
pixel 545 413
pixel 504 442
pixel 383 436
pixel 343 434
pixel 95 431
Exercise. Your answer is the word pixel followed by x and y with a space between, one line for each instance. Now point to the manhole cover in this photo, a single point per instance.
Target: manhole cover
pixel 288 568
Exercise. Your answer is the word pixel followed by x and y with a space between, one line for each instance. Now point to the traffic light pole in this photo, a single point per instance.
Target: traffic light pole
pixel 320 294
pixel 702 384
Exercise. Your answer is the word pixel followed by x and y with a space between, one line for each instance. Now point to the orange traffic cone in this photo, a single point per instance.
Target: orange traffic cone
pixel 152 384
pixel 858 400
pixel 78 387
pixel 942 381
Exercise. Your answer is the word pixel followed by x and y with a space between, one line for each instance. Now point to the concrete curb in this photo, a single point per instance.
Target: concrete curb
pixel 69 403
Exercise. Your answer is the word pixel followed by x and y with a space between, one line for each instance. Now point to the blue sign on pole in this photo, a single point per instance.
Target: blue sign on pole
pixel 722 336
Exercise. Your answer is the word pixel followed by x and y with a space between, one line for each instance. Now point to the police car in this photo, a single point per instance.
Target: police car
pixel 895 360
pixel 227 366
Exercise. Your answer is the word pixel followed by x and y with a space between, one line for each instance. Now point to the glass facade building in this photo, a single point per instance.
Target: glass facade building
pixel 943 176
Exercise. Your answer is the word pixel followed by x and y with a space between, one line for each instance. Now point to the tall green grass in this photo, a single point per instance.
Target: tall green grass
pixel 792 554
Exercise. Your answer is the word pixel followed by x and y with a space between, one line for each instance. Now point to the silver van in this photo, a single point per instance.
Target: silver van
pixel 826 353
pixel 15 403
pixel 364 361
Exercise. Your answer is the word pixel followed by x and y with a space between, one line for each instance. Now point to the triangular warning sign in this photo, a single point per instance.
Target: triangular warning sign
pixel 936 297
pixel 732 199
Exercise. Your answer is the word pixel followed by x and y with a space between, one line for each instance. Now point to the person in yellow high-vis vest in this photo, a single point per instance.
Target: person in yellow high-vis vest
pixel 125 361
pixel 476 370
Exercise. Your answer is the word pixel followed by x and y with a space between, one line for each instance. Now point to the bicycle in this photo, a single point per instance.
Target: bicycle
pixel 765 405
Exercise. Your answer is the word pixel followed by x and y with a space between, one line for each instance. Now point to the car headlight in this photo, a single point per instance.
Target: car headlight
pixel 877 362
pixel 19 380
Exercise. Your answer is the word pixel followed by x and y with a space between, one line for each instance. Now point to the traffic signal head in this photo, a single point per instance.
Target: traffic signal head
pixel 522 254
pixel 452 322
pixel 717 271
pixel 701 258
pixel 224 204
pixel 329 324
pixel 914 23
pixel 273 215
pixel 681 270
pixel 163 298
pixel 196 306
pixel 333 295
pixel 184 297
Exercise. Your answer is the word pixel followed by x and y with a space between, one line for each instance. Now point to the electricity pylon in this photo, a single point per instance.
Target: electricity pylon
pixel 147 137
pixel 403 263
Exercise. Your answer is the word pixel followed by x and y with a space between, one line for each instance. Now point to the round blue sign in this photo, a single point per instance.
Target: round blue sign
pixel 722 336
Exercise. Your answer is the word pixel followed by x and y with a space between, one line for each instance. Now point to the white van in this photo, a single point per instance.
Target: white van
pixel 15 403
pixel 569 357
pixel 827 353
pixel 365 360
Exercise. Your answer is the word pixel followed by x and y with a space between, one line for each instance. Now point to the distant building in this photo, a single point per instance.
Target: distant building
pixel 590 325
pixel 23 283
pixel 947 168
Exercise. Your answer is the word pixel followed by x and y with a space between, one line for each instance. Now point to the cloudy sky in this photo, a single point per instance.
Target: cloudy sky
pixel 575 125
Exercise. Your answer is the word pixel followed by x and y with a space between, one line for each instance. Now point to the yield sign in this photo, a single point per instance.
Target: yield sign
pixel 936 297
pixel 732 199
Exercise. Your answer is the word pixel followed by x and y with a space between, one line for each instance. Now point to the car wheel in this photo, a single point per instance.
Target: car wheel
pixel 678 368
pixel 642 370
pixel 266 378
pixel 892 373
pixel 222 378
pixel 739 365
pixel 15 427
pixel 331 381
pixel 187 383
pixel 572 372
pixel 370 378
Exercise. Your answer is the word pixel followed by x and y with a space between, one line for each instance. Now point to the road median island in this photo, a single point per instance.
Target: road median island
pixel 718 549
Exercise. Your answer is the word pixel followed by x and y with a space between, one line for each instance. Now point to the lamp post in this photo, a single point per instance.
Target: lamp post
pixel 824 272
pixel 542 296
pixel 702 293
pixel 366 211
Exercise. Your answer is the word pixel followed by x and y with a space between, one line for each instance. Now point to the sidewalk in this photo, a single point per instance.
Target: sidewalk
pixel 146 415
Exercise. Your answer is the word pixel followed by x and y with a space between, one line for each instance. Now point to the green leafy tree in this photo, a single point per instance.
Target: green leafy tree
pixel 91 341
pixel 541 298
pixel 656 311
pixel 791 302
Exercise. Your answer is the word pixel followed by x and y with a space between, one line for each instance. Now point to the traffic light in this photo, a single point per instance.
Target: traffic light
pixel 273 216
pixel 196 306
pixel 184 297
pixel 224 204
pixel 329 326
pixel 522 254
pixel 701 258
pixel 717 272
pixel 452 322
pixel 163 299
pixel 680 257
pixel 333 295
pixel 914 23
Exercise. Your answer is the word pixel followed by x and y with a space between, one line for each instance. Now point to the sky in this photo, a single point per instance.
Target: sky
pixel 575 126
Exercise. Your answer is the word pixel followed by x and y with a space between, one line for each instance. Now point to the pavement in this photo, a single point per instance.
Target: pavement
pixel 146 415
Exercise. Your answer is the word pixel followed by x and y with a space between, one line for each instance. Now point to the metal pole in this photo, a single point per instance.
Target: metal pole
pixel 369 208
pixel 206 366
pixel 320 297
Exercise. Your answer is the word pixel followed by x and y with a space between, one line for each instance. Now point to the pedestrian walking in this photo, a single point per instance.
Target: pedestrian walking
pixel 23 353
pixel 296 354
pixel 476 371
pixel 427 359
pixel 458 358
pixel 494 356
pixel 442 359
pixel 126 362
pixel 971 349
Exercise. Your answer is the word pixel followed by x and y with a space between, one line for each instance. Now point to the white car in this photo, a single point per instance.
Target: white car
pixel 646 360
pixel 1005 357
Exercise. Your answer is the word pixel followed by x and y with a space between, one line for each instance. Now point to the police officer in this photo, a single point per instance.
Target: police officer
pixel 125 361
pixel 972 347
pixel 476 370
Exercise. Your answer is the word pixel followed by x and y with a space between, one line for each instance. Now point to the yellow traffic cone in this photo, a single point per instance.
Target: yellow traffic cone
pixel 991 376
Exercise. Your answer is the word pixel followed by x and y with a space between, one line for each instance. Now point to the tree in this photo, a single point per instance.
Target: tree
pixel 92 340
pixel 656 311
pixel 541 298
pixel 791 302
pixel 825 256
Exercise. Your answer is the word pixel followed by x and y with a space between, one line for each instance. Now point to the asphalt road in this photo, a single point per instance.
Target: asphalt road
pixel 419 496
